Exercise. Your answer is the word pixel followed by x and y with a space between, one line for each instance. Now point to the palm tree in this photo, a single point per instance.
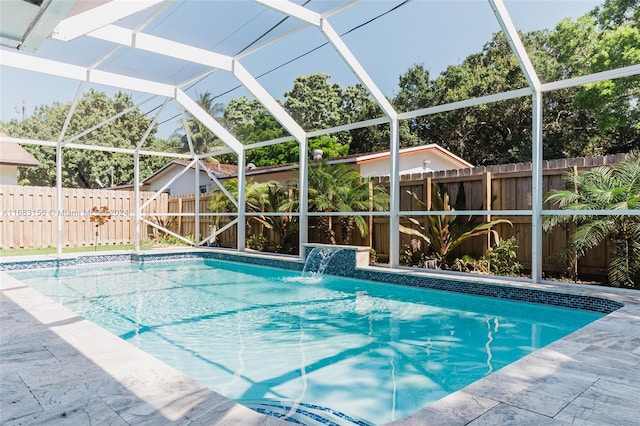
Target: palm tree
pixel 203 139
pixel 338 188
pixel 260 197
pixel 604 188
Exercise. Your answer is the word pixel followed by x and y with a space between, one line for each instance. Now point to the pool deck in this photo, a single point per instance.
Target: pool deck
pixel 57 368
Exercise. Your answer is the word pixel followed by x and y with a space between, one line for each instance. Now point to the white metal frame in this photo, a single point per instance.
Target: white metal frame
pixel 99 23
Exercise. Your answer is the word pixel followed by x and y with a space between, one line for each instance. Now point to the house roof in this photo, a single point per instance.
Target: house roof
pixel 363 158
pixel 13 154
pixel 218 170
pixel 366 157
pixel 231 170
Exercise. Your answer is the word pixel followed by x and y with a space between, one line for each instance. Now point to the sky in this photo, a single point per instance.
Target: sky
pixel 430 32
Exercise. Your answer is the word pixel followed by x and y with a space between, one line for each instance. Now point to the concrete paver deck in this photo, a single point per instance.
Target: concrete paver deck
pixel 58 368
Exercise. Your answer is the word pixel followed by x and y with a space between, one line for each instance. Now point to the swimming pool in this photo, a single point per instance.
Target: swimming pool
pixel 341 350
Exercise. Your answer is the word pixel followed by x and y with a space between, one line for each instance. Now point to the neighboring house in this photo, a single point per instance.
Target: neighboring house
pixel 185 184
pixel 418 159
pixel 13 156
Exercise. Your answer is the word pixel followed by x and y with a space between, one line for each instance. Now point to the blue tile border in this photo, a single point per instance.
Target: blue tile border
pixel 343 263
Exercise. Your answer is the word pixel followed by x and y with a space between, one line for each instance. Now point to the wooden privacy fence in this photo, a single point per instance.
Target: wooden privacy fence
pixel 29 216
pixel 186 225
pixel 29 213
pixel 502 187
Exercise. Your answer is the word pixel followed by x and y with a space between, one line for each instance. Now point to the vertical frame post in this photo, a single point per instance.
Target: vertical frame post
pixel 536 188
pixel 303 197
pixel 242 204
pixel 136 196
pixel 196 236
pixel 394 198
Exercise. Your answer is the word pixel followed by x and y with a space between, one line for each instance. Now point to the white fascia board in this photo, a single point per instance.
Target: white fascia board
pixel 294 10
pixel 166 154
pixel 98 17
pixel 75 72
pixel 162 46
pixel 512 94
pixel 210 122
pixel 130 83
pixel 350 126
pixel 43 66
pixel 241 73
pixel 357 69
pixel 50 15
pixel 92 147
pixel 269 142
pixel 25 141
pixel 592 78
pixel 509 30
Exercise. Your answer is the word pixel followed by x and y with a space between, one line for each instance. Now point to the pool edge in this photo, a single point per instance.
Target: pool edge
pixel 561 381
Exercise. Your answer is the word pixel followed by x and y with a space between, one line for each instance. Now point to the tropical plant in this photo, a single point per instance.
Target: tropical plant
pixel 409 256
pixel 443 233
pixel 501 258
pixel 202 138
pixel 261 197
pixel 338 188
pixel 614 188
pixel 257 242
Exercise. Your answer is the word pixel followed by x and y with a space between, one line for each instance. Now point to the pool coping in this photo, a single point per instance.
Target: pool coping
pixel 588 377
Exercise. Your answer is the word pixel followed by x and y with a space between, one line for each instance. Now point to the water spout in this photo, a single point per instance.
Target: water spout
pixel 316 264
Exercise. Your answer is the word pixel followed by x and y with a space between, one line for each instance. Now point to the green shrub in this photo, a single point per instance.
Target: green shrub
pixel 411 257
pixel 502 258
pixel 257 242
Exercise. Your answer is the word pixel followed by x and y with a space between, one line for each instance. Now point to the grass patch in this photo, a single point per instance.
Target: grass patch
pixel 87 249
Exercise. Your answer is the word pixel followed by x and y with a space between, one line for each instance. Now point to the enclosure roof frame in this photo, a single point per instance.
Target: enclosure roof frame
pixel 100 23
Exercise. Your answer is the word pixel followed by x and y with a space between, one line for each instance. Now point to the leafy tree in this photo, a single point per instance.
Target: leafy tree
pixel 317 104
pixel 606 38
pixel 604 188
pixel 86 168
pixel 598 118
pixel 314 103
pixel 613 13
pixel 358 106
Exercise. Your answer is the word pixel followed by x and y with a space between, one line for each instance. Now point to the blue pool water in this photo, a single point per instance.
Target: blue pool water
pixel 332 351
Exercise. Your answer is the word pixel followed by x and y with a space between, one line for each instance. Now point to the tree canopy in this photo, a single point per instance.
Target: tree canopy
pixel 85 168
pixel 597 118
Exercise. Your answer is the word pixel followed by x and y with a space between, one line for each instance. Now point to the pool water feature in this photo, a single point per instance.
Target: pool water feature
pixel 339 351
